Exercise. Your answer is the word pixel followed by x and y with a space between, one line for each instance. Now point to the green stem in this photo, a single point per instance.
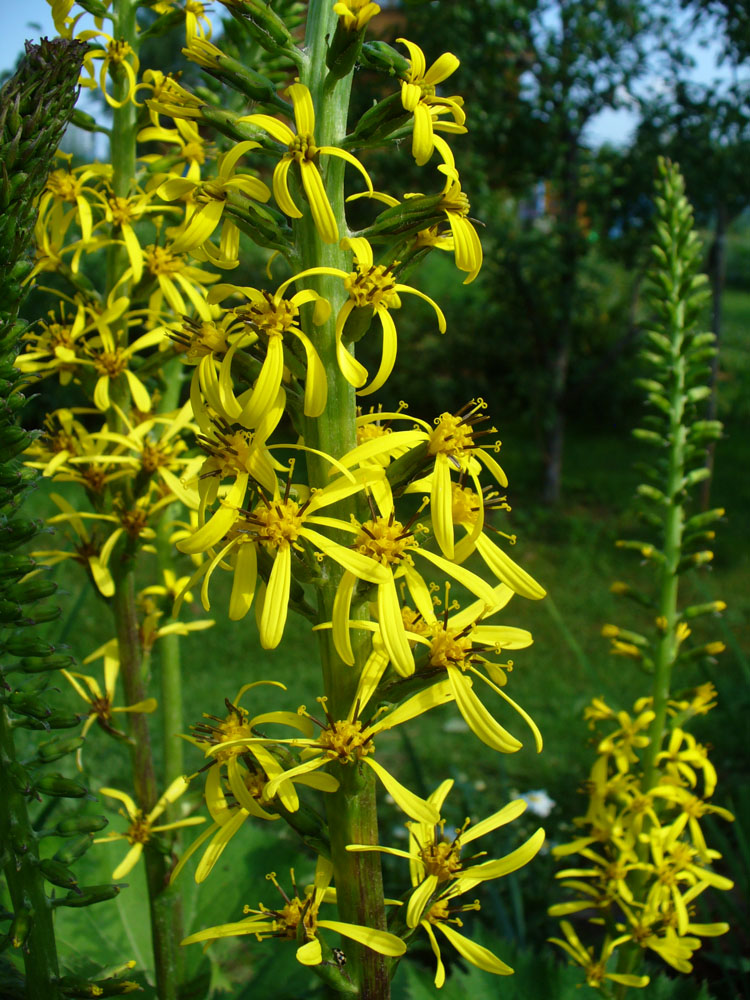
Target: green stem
pixel 170 677
pixel 25 883
pixel 352 812
pixel 164 903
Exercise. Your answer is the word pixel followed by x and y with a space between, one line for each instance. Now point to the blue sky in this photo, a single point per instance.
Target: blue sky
pixel 24 19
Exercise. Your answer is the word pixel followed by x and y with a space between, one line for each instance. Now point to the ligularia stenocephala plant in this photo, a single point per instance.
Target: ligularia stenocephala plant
pixel 641 856
pixel 211 431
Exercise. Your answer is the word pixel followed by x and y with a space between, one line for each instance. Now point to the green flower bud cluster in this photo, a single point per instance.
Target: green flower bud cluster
pixel 35 106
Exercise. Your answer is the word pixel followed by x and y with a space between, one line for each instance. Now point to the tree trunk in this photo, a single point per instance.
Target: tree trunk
pixel 559 363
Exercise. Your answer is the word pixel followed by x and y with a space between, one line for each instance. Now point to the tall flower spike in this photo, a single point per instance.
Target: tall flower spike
pixel 302 150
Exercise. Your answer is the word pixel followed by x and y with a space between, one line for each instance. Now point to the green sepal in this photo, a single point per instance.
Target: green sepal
pixel 72 851
pixel 57 785
pixel 58 720
pixel 58 874
pixel 10 611
pixel 384 58
pixel 266 27
pixel 29 705
pixel 23 644
pixel 21 928
pixel 20 777
pixel 59 747
pixel 344 50
pixel 42 664
pixel 35 589
pixel 14 567
pixel 704 519
pixel 73 826
pixel 88 895
pixel 17 531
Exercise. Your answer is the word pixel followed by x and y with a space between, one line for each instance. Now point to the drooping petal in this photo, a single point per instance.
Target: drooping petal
pixel 510 863
pixel 441 505
pixel 276 604
pixel 388 356
pixel 475 953
pixel 508 571
pixel 392 629
pixel 243 582
pixel 128 862
pixel 418 900
pixel 281 188
pixel 410 803
pixel 320 206
pixel 114 793
pixel 478 719
pixel 380 941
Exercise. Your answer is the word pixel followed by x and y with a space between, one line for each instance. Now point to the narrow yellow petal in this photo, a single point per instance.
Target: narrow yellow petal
pixel 276 604
pixel 475 953
pixel 380 941
pixel 418 900
pixel 320 206
pixel 410 803
pixel 128 862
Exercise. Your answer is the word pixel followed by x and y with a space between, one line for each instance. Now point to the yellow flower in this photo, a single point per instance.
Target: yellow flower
pixel 418 97
pixel 276 525
pixel 456 643
pixel 197 22
pixel 132 521
pixel 118 56
pixel 171 270
pixel 122 214
pixel 142 829
pixel 68 184
pixel 595 969
pixel 452 442
pixel 87 550
pixel 623 742
pixel 158 444
pixel 349 742
pixel 440 916
pixel 271 318
pixel 370 286
pixel 435 859
pixel 299 920
pixel 249 768
pixel 193 148
pixel 101 703
pixel 53 345
pixel 302 150
pixel 355 14
pixel 208 200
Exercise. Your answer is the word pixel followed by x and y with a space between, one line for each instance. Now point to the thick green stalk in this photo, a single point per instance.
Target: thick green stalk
pixel 25 882
pixel 352 813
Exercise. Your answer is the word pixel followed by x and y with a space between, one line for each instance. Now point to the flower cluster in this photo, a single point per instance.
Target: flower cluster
pixel 217 422
pixel 644 856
